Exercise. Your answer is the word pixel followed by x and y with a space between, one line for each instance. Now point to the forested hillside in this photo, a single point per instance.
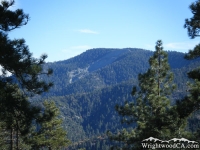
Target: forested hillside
pixel 104 98
pixel 87 87
pixel 99 68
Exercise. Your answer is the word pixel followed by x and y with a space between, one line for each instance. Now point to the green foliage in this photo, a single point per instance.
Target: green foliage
pixel 15 57
pixel 19 79
pixel 50 134
pixel 92 144
pixel 195 53
pixel 190 103
pixel 82 75
pixel 151 111
pixel 193 24
pixel 16 115
pixel 87 103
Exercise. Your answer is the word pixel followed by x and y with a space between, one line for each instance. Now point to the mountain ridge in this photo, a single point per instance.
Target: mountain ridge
pixel 87 87
pixel 96 67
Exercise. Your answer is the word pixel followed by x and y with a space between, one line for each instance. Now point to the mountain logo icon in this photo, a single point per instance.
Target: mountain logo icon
pixel 152 139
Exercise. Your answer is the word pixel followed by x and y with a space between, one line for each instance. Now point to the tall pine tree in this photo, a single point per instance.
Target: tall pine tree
pixel 191 103
pixel 16 112
pixel 15 56
pixel 16 116
pixel 151 113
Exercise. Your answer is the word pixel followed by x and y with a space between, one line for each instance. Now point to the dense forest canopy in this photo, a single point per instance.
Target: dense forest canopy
pixel 132 93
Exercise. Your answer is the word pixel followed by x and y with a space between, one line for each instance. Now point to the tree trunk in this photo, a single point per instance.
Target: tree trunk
pixel 11 139
pixel 17 140
pixel 159 74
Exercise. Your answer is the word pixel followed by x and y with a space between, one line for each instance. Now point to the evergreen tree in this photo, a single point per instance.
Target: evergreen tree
pixel 151 114
pixel 193 24
pixel 15 57
pixel 50 135
pixel 3 136
pixel 16 112
pixel 16 115
pixel 190 104
pixel 193 27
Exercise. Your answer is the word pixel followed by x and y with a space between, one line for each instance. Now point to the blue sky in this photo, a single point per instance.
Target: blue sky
pixel 66 28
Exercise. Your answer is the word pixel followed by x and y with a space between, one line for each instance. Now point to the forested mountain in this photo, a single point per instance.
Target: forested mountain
pixel 99 68
pixel 87 87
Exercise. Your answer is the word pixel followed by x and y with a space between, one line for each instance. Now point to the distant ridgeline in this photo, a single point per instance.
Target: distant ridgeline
pixel 87 87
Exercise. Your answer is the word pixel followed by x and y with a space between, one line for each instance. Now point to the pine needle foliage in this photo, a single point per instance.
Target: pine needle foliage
pixel 191 103
pixel 151 114
pixel 51 134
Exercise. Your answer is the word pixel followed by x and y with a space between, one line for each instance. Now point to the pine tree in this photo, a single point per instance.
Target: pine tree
pixel 16 112
pixel 193 24
pixel 16 116
pixel 191 103
pixel 151 113
pixel 193 27
pixel 51 135
pixel 15 57
pixel 3 136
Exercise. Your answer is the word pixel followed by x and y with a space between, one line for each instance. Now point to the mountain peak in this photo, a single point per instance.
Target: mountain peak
pixel 152 139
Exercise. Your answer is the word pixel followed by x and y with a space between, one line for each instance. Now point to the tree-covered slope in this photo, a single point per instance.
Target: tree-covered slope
pixel 98 68
pixel 87 87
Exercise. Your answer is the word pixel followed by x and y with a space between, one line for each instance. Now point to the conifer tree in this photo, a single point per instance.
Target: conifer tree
pixel 193 27
pixel 16 112
pixel 150 112
pixel 16 59
pixel 191 103
pixel 193 24
pixel 16 115
pixel 51 135
pixel 3 136
pixel 15 56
